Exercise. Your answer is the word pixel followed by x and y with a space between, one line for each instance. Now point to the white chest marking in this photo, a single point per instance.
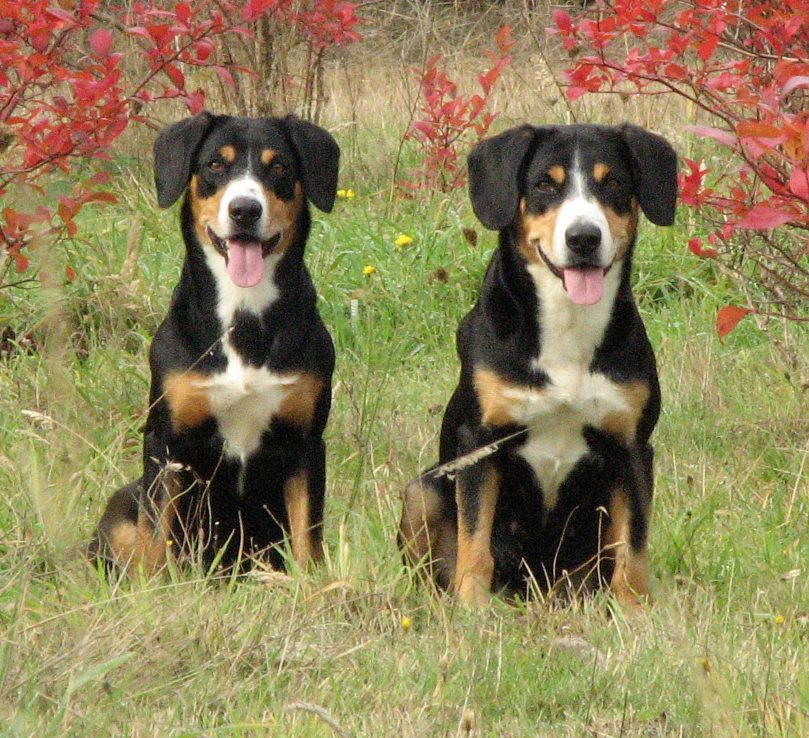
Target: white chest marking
pixel 244 399
pixel 574 396
pixel 555 417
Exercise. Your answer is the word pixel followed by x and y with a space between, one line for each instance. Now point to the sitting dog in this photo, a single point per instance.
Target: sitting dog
pixel 545 466
pixel 241 367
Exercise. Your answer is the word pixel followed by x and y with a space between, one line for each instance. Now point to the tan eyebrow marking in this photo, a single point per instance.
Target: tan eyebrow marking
pixel 600 171
pixel 557 173
pixel 268 155
pixel 228 153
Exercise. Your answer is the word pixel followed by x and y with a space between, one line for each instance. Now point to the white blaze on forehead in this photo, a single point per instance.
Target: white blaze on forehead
pixel 580 206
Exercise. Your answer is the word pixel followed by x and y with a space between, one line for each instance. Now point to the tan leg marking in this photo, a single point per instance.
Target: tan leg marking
pixel 426 535
pixel 296 499
pixel 155 523
pixel 630 577
pixel 474 569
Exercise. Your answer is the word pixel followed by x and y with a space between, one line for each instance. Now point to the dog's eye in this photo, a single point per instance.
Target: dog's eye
pixel 611 182
pixel 278 169
pixel 547 186
pixel 217 165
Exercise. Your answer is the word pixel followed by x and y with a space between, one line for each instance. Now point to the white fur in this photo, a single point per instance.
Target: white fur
pixel 570 333
pixel 245 186
pixel 230 297
pixel 243 400
pixel 581 207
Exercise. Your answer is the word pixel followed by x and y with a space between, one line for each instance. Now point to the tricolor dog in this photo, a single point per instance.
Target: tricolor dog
pixel 545 466
pixel 233 456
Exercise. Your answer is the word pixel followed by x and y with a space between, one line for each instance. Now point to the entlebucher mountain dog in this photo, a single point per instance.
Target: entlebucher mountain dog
pixel 233 456
pixel 545 466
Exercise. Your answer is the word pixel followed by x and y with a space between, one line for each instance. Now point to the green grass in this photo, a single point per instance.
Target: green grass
pixel 722 652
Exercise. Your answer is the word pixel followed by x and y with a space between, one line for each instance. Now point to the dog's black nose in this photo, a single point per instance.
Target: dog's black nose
pixel 583 239
pixel 244 211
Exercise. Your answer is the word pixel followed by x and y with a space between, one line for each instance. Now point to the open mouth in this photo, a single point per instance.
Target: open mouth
pixel 244 256
pixel 584 283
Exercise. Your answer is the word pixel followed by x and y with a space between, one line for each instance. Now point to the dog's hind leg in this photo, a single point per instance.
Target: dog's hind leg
pixel 427 534
pixel 115 538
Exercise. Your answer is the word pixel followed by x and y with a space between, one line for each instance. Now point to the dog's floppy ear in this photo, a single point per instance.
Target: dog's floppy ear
pixel 654 169
pixel 494 167
pixel 174 152
pixel 319 155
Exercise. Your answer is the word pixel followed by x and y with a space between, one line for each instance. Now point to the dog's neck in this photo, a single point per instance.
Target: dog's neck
pixel 569 334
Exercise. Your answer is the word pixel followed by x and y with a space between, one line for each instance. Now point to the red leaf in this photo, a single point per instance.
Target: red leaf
pixel 70 274
pixel 717 134
pixel 183 11
pixel 799 183
pixel 728 317
pixel 101 41
pixel 20 262
pixel 175 75
pixel 695 247
pixel 562 20
pixel 763 217
pixel 793 83
pixel 253 9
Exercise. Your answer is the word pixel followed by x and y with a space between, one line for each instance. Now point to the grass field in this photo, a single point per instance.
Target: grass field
pixel 354 649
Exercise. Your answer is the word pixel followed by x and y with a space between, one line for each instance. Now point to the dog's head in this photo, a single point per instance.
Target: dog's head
pixel 572 195
pixel 247 181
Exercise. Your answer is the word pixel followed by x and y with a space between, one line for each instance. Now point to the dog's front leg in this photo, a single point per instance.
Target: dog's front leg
pixel 476 494
pixel 626 536
pixel 303 499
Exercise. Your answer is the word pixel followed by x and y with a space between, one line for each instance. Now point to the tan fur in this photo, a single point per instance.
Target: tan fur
pixel 625 424
pixel 534 230
pixel 267 155
pixel 426 536
pixel 630 577
pixel 557 173
pixel 296 500
pixel 144 546
pixel 600 171
pixel 205 210
pixel 622 228
pixel 187 400
pixel 228 153
pixel 474 569
pixel 298 407
pixel 491 388
pixel 284 214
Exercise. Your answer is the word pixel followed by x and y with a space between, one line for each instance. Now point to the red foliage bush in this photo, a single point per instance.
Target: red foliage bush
pixel 746 66
pixel 448 117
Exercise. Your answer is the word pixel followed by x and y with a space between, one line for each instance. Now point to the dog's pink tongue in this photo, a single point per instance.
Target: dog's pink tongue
pixel 585 286
pixel 245 263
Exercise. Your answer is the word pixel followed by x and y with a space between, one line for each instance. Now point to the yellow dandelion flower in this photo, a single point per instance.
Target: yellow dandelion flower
pixel 368 270
pixel 402 241
pixel 779 619
pixel 406 623
pixel 345 194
